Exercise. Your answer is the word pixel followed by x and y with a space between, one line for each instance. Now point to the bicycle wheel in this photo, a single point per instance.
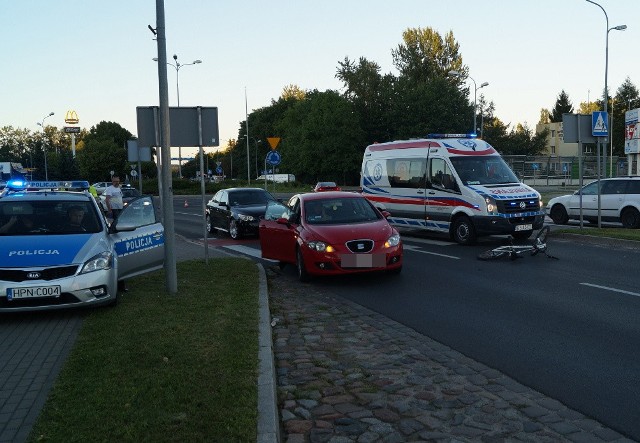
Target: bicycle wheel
pixel 493 254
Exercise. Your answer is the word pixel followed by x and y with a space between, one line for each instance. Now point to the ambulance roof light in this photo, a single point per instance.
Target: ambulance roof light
pixel 469 135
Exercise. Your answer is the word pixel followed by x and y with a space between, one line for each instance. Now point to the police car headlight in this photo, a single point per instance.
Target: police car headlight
pixel 394 240
pixel 492 207
pixel 99 262
pixel 245 218
pixel 320 246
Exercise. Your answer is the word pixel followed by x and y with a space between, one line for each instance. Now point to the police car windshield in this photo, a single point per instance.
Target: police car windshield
pixel 486 170
pixel 34 217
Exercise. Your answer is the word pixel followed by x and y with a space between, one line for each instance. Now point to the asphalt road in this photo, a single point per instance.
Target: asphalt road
pixel 568 328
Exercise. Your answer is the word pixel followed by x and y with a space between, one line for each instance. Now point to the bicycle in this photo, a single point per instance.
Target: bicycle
pixel 517 251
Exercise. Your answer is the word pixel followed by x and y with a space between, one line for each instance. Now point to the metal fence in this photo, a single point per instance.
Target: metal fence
pixel 564 171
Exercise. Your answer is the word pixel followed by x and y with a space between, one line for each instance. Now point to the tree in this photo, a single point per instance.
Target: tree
pixel 371 94
pixel 292 92
pixel 626 98
pixel 321 139
pixel 545 116
pixel 425 54
pixel 562 106
pixel 104 151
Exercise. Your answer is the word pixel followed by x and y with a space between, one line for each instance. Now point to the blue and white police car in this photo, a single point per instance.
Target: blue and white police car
pixel 58 251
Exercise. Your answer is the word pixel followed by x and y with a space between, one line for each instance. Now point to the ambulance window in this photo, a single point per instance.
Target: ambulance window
pixel 406 173
pixel 440 175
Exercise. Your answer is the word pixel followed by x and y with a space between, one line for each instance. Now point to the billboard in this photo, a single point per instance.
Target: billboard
pixel 631 132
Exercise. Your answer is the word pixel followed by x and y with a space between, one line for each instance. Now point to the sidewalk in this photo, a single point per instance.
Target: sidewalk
pixel 343 374
pixel 348 374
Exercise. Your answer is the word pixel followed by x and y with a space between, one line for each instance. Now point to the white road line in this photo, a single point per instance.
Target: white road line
pixel 416 249
pixel 611 289
pixel 428 241
pixel 247 251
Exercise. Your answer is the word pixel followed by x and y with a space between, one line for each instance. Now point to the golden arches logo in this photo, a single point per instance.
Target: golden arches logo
pixel 71 118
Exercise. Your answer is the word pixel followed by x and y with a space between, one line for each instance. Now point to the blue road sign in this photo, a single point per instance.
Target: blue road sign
pixel 273 158
pixel 219 170
pixel 599 124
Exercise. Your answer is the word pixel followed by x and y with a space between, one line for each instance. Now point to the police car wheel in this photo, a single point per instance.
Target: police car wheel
pixel 463 231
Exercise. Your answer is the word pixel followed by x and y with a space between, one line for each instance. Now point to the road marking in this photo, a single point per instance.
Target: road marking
pixel 611 289
pixel 428 241
pixel 247 251
pixel 416 249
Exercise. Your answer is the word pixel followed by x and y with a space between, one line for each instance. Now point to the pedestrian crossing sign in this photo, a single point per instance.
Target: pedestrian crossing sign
pixel 599 124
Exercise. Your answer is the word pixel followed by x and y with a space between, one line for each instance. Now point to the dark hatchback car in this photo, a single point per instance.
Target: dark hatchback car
pixel 237 211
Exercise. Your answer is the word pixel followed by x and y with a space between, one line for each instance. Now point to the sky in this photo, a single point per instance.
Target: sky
pixel 96 57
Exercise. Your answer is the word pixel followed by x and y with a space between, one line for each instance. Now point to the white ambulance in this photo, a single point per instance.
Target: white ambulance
pixel 450 183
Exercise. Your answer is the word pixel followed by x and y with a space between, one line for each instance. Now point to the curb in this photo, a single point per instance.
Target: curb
pixel 268 420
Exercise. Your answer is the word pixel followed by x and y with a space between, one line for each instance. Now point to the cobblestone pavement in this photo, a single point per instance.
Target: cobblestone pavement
pixel 347 374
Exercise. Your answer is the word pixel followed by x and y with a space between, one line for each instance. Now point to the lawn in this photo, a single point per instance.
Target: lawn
pixel 164 368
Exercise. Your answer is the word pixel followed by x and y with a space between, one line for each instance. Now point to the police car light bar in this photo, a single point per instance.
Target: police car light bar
pixel 469 135
pixel 22 185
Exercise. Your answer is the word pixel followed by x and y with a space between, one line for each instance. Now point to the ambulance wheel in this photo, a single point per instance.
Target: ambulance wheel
pixel 462 231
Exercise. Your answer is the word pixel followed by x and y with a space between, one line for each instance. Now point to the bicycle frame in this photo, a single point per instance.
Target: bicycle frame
pixel 517 251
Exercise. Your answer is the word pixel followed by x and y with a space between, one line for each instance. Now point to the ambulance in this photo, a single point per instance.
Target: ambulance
pixel 58 251
pixel 450 183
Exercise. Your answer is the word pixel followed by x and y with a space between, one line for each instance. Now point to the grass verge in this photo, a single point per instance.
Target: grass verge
pixel 164 368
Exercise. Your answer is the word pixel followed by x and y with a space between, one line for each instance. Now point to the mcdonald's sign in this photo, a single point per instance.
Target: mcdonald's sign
pixel 71 118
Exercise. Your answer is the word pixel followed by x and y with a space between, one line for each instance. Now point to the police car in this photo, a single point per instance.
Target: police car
pixel 58 251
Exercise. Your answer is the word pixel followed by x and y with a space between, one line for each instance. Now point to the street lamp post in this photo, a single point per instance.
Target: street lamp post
pixel 475 97
pixel 177 67
pixel 256 142
pixel 606 59
pixel 44 146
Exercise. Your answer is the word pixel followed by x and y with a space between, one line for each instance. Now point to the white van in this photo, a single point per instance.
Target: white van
pixel 450 183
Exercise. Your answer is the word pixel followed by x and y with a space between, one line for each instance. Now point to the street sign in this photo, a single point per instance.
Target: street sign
pixel 218 170
pixel 273 158
pixel 273 142
pixel 72 129
pixel 599 124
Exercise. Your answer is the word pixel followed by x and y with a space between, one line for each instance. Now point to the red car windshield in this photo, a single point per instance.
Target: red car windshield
pixel 336 211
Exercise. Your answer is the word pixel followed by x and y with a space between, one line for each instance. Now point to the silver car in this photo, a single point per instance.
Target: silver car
pixel 57 250
pixel 619 202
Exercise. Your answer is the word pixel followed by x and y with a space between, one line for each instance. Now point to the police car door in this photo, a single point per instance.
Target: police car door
pixel 442 194
pixel 138 239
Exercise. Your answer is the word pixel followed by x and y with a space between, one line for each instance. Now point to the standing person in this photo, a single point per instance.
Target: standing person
pixel 113 200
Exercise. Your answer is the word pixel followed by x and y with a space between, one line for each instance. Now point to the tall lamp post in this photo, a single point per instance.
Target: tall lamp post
pixel 44 146
pixel 177 65
pixel 256 142
pixel 606 58
pixel 475 97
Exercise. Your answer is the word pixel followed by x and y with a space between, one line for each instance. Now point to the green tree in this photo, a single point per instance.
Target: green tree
pixel 372 96
pixel 626 98
pixel 425 54
pixel 105 150
pixel 322 139
pixel 562 106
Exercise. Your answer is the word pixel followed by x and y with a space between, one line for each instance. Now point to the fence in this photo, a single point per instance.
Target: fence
pixel 554 170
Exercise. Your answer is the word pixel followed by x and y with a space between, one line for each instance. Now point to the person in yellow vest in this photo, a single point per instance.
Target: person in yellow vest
pixel 93 191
